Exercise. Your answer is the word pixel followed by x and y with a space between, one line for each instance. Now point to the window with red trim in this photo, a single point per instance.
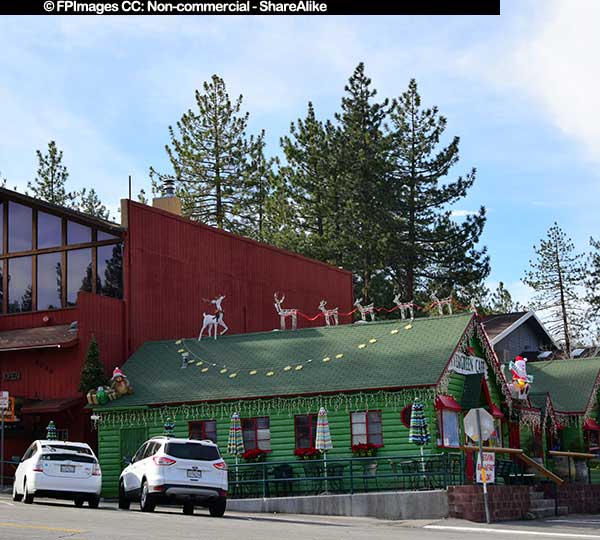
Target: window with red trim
pixel 203 430
pixel 592 439
pixel 447 428
pixel 366 428
pixel 256 433
pixel 305 429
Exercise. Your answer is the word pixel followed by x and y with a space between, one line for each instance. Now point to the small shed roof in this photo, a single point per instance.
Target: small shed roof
pixel 381 355
pixel 570 382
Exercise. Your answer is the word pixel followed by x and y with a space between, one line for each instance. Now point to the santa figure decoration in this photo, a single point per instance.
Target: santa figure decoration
pixel 520 379
pixel 120 383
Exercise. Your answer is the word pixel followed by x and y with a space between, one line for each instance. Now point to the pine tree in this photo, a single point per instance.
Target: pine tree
pixel 92 374
pixel 141 197
pixel 593 284
pixel 211 156
pixel 429 247
pixel 52 176
pixel 556 277
pixel 501 301
pixel 360 151
pixel 89 203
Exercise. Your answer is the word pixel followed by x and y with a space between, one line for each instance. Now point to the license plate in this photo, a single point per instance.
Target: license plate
pixel 194 474
pixel 67 468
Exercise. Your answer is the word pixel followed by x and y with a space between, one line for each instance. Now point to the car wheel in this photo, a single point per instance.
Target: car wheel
pixel 78 503
pixel 27 497
pixel 217 507
pixel 124 502
pixel 94 501
pixel 147 503
pixel 188 509
pixel 16 496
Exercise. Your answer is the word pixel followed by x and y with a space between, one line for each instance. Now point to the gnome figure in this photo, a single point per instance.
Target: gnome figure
pixel 120 383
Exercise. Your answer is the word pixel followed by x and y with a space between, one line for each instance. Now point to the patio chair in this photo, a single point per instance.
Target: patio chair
pixel 285 485
pixel 335 476
pixel 370 474
pixel 410 474
pixel 314 476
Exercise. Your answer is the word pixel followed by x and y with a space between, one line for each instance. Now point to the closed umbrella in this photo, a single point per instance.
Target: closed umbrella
pixel 323 438
pixel 419 430
pixel 235 443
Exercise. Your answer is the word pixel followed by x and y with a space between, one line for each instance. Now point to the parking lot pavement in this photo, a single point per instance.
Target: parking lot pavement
pixel 51 520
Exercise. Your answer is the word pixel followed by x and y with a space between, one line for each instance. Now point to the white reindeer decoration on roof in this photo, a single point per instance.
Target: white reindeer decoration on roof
pixel 404 307
pixel 212 322
pixel 284 313
pixel 440 304
pixel 365 310
pixel 329 313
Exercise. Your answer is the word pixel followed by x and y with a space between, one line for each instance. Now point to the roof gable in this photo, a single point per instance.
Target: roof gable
pixel 570 383
pixel 499 326
pixel 381 355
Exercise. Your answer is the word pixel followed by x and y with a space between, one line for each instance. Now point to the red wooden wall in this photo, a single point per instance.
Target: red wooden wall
pixel 175 263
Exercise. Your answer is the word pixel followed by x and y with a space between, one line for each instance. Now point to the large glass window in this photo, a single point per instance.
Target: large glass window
pixel 203 430
pixel 1 227
pixel 256 433
pixel 77 233
pixel 79 273
pixel 110 271
pixel 19 227
pixel 49 231
pixel 49 281
pixel 106 236
pixel 366 428
pixel 19 285
pixel 305 426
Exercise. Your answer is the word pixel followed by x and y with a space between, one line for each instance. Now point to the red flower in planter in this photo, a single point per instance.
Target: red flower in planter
pixel 254 455
pixel 364 449
pixel 307 453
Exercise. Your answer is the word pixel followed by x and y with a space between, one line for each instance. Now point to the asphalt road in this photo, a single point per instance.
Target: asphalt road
pixel 45 520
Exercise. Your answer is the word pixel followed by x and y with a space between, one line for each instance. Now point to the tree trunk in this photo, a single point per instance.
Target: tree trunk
pixel 563 307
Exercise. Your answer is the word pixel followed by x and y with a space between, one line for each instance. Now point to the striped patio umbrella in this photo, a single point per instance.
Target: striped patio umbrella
pixel 235 443
pixel 323 439
pixel 419 430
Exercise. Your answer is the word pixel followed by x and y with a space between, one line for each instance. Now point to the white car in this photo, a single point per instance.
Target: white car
pixel 58 470
pixel 166 470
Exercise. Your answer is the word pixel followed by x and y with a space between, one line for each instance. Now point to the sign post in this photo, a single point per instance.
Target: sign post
pixel 4 404
pixel 479 425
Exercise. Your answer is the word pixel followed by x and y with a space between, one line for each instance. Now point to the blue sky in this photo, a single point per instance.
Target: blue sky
pixel 521 90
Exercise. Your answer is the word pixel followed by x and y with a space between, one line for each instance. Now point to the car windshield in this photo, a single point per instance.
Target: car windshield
pixel 191 450
pixel 66 448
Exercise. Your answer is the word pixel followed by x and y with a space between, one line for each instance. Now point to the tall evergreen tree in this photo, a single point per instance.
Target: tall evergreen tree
pixel 501 301
pixel 556 276
pixel 360 150
pixel 89 203
pixel 430 246
pixel 211 156
pixel 92 374
pixel 52 176
pixel 593 284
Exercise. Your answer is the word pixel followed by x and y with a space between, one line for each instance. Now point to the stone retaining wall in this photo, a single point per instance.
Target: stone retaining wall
pixel 579 498
pixel 506 502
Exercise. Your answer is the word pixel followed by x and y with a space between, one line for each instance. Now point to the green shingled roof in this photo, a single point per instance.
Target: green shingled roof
pixel 399 358
pixel 570 382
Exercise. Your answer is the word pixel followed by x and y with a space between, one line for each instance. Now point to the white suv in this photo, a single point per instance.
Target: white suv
pixel 58 470
pixel 166 470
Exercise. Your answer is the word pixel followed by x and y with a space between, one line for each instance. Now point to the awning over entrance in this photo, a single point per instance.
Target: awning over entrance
pixel 447 402
pixel 591 425
pixel 50 406
pixel 59 336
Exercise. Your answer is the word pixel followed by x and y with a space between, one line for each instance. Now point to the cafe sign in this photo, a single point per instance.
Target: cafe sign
pixel 467 365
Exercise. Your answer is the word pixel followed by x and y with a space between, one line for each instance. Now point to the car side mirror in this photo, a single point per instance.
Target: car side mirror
pixel 16 459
